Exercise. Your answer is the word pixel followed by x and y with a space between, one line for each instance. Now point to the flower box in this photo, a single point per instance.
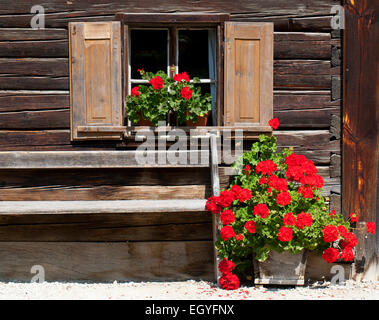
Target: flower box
pixel 281 268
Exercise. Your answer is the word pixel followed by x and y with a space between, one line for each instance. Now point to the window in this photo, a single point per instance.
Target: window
pixel 234 61
pixel 175 50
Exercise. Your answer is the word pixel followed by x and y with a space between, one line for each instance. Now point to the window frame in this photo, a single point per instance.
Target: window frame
pixel 174 23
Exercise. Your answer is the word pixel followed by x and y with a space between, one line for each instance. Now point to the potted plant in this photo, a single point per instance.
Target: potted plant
pixel 166 98
pixel 273 214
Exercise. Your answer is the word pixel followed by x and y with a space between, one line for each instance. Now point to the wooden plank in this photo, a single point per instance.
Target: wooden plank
pixel 261 8
pixel 45 119
pixel 34 49
pixel 33 83
pixel 68 178
pixel 27 34
pixel 299 45
pixel 53 193
pixel 23 101
pixel 104 207
pixel 54 67
pixel 360 159
pixel 107 228
pixel 138 261
pixel 216 223
pixel 101 159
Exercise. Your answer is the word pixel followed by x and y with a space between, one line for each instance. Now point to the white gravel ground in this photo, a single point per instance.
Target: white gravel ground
pixel 188 290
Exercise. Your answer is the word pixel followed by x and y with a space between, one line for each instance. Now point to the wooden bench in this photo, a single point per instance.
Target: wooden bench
pixel 108 239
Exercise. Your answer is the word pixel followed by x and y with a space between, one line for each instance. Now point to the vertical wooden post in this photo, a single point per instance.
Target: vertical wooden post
pixel 216 191
pixel 360 128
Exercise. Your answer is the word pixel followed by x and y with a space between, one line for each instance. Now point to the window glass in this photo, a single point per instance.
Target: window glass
pixel 193 53
pixel 148 51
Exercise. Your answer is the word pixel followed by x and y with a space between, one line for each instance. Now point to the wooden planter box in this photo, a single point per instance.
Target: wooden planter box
pixel 281 268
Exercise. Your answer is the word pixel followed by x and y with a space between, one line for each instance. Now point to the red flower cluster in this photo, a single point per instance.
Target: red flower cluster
pixel 247 170
pixel 302 170
pixel 331 254
pixel 353 217
pixel 182 76
pixel 266 167
pixel 227 217
pixel 216 204
pixel 370 226
pixel 289 219
pixel 135 92
pixel 228 281
pixel 330 233
pixel 285 234
pixel 303 219
pixel 250 226
pixel 348 242
pixel 283 198
pixel 274 123
pixel 261 210
pixel 227 233
pixel 186 93
pixel 277 183
pixel 156 82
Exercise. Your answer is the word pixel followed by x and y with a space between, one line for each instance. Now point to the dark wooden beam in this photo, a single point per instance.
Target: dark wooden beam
pixel 360 128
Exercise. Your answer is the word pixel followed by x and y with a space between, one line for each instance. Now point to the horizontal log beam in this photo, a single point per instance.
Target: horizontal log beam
pixel 100 159
pixel 100 261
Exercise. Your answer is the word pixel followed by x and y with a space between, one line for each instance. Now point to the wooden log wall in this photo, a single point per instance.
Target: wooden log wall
pixel 34 115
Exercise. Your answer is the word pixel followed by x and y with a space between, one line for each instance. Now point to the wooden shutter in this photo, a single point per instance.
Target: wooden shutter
pixel 248 73
pixel 95 80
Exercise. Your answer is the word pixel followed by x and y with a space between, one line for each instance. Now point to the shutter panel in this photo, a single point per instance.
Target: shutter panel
pixel 95 81
pixel 248 73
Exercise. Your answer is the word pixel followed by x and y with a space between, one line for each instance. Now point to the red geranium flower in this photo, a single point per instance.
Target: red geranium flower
pixel 247 169
pixel 306 192
pixel 348 254
pixel 229 281
pixel 353 217
pixel 277 183
pixel 261 210
pixel 350 240
pixel 212 206
pixel 263 180
pixel 239 237
pixel 283 198
pixel 342 231
pixel 244 195
pixel 135 92
pixel 227 217
pixel 274 123
pixel 266 167
pixel 226 198
pixel 330 255
pixel 227 233
pixel 330 233
pixel 156 82
pixel 226 266
pixel 285 234
pixel 235 189
pixel 332 213
pixel 370 226
pixel 186 93
pixel 289 219
pixel 250 226
pixel 182 76
pixel 304 219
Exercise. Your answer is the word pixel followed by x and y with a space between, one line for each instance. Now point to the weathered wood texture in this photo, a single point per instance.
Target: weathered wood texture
pixel 105 184
pixel 101 261
pixel 360 126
